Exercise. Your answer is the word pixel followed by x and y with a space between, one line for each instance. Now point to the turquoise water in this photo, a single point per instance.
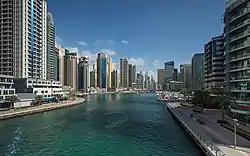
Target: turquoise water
pixel 106 125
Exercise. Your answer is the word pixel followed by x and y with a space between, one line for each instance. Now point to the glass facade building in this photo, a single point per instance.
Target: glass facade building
pixel 198 71
pixel 102 71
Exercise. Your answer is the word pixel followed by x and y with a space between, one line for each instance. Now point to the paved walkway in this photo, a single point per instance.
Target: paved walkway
pixel 45 107
pixel 221 137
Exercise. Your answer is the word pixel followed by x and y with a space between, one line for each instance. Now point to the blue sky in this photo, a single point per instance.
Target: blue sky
pixel 148 32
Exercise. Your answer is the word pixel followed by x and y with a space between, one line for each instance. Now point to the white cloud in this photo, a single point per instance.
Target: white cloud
pixel 82 43
pixel 124 42
pixel 92 56
pixel 58 41
pixel 108 52
pixel 136 61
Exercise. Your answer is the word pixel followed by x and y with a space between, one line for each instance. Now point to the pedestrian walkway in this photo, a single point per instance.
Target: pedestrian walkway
pixel 36 109
pixel 222 138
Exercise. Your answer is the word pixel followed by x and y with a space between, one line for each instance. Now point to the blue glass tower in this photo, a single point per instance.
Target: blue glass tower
pixel 102 71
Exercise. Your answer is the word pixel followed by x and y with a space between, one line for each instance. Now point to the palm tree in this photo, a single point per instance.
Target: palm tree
pixel 39 99
pixel 72 94
pixel 12 99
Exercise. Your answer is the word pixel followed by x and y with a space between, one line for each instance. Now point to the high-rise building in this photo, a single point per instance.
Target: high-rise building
pixel 23 38
pixel 186 75
pixel 130 75
pixel 114 79
pixel 52 55
pixel 92 79
pixel 175 74
pixel 110 68
pixel 146 82
pixel 70 69
pixel 118 79
pixel 198 71
pixel 83 72
pixel 134 74
pixel 169 70
pixel 124 72
pixel 181 75
pixel 140 80
pixel 61 66
pixel 102 71
pixel 160 78
pixel 214 63
pixel 237 53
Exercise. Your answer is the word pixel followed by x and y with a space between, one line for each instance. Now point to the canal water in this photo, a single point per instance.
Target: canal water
pixel 106 125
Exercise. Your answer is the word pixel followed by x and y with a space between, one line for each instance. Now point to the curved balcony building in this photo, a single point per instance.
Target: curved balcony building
pixel 237 51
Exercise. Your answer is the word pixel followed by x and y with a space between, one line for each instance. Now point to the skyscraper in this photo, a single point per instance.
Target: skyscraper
pixel 214 75
pixel 175 75
pixel 92 79
pixel 124 72
pixel 130 75
pixel 182 67
pixel 52 55
pixel 102 71
pixel 169 70
pixel 23 38
pixel 70 69
pixel 146 82
pixel 114 79
pixel 61 65
pixel 83 72
pixel 134 74
pixel 109 70
pixel 140 80
pixel 160 78
pixel 237 63
pixel 198 71
pixel 186 75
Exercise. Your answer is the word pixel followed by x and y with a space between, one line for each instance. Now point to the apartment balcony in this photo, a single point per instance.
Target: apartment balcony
pixel 217 58
pixel 240 90
pixel 240 79
pixel 220 63
pixel 239 36
pixel 218 78
pixel 239 47
pixel 216 68
pixel 240 57
pixel 239 15
pixel 239 25
pixel 240 68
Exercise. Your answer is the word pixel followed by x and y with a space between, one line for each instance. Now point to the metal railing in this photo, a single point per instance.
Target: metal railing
pixel 208 143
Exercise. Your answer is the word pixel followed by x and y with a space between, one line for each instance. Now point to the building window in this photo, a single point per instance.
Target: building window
pixel 5 92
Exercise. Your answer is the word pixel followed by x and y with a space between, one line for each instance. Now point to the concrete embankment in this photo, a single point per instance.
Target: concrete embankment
pixel 197 138
pixel 38 109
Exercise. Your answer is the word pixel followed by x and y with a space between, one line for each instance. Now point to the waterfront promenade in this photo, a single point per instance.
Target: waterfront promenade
pixel 211 134
pixel 37 109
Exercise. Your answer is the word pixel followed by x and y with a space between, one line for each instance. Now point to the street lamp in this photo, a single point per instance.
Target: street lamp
pixel 235 126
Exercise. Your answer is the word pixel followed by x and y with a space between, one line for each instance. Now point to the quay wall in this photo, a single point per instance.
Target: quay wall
pixel 198 140
pixel 39 109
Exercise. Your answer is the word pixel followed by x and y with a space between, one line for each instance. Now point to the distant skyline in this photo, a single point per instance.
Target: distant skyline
pixel 147 32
